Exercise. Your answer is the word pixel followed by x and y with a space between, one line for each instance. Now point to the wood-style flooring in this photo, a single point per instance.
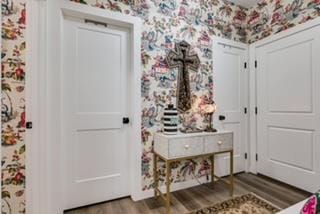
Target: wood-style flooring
pixel 186 200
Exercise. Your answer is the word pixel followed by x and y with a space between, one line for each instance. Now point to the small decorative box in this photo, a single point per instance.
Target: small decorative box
pixel 170 120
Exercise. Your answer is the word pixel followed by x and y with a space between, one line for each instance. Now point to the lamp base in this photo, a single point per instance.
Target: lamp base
pixel 210 129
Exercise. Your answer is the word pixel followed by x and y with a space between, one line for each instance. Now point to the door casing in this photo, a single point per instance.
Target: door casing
pixel 288 122
pixel 253 85
pixel 44 101
pixel 82 119
pixel 217 43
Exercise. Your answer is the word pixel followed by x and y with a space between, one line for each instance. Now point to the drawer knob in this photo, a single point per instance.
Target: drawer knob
pixel 219 142
pixel 186 146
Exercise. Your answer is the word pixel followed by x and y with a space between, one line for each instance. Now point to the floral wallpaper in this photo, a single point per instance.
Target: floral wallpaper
pixel 13 54
pixel 168 21
pixel 273 16
pixel 164 23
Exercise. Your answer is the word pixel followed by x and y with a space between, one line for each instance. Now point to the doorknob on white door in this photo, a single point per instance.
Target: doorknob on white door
pixel 222 117
pixel 125 120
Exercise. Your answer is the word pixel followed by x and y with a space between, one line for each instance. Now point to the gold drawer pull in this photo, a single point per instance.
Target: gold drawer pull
pixel 187 146
pixel 220 142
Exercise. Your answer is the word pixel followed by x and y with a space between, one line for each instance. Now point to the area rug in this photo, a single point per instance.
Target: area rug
pixel 245 204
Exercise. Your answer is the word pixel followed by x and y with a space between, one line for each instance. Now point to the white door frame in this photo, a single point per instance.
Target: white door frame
pixel 44 173
pixel 231 43
pixel 253 81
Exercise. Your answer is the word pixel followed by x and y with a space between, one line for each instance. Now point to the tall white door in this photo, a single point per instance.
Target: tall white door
pixel 288 97
pixel 95 65
pixel 229 79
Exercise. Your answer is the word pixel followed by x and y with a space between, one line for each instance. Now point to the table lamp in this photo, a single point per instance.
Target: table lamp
pixel 210 109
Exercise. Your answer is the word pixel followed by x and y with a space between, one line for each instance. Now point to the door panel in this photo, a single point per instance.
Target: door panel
pixel 93 56
pixel 288 89
pixel 229 95
pixel 280 139
pixel 93 105
pixel 284 63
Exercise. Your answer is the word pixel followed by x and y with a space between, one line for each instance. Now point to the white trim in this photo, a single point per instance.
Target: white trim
pixel 253 81
pixel 44 188
pixel 228 42
pixel 235 44
pixel 35 80
pixel 252 114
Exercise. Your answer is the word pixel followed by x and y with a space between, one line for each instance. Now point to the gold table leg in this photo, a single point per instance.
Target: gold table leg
pixel 167 197
pixel 212 170
pixel 155 174
pixel 168 175
pixel 231 173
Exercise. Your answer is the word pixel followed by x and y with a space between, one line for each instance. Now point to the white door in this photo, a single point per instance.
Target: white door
pixel 229 79
pixel 94 103
pixel 288 98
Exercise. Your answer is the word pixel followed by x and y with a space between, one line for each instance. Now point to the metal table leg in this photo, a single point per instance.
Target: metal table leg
pixel 168 175
pixel 212 170
pixel 231 174
pixel 155 174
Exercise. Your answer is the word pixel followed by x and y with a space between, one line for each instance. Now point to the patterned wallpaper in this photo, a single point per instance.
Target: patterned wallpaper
pixel 165 21
pixel 273 16
pixel 13 54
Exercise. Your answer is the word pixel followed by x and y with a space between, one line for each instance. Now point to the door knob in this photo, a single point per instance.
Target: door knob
pixel 222 117
pixel 125 120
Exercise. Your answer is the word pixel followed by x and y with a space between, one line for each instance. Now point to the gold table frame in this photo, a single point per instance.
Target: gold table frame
pixel 167 196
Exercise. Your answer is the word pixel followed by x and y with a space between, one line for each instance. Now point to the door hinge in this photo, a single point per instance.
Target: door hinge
pixel 256 64
pixel 256 157
pixel 256 110
pixel 245 65
pixel 29 125
pixel 246 156
pixel 245 110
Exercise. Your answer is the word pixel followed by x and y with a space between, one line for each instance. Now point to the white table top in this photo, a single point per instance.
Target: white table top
pixel 198 134
pixel 295 209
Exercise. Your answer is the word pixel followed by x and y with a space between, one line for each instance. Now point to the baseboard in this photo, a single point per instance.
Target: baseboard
pixel 174 187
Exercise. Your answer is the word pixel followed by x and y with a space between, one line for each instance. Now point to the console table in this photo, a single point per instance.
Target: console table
pixel 172 148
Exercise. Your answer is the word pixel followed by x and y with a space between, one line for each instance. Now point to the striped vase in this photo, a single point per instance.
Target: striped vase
pixel 170 120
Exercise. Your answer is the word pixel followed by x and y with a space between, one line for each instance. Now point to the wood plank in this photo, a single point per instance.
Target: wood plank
pixel 204 195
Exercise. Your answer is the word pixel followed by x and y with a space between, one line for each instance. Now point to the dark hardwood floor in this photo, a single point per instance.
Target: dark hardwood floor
pixel 186 200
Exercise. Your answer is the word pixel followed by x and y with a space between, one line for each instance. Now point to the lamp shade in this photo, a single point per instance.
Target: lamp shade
pixel 210 108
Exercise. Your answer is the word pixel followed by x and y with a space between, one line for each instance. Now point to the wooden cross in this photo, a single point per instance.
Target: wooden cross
pixel 180 58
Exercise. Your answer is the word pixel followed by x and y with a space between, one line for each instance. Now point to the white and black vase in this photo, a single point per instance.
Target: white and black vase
pixel 170 120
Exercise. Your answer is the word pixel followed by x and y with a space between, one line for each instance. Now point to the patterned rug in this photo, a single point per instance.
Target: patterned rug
pixel 245 204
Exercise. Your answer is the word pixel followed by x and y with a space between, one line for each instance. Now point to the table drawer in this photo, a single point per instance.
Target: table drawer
pixel 218 143
pixel 184 147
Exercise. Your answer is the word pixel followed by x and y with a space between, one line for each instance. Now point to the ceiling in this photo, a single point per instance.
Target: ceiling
pixel 245 3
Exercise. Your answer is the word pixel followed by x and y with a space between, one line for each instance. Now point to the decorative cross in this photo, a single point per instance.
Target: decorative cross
pixel 180 58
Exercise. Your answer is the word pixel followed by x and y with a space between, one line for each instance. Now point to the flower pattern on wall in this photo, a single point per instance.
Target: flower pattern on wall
pixel 273 16
pixel 164 23
pixel 13 117
pixel 168 21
